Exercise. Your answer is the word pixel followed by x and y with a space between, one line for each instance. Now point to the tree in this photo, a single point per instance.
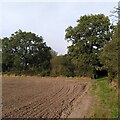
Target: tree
pixel 0 55
pixel 53 53
pixel 26 52
pixel 88 38
pixel 7 57
pixel 61 65
pixel 109 55
pixel 116 13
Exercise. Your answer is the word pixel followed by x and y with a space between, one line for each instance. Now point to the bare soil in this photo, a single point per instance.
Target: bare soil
pixel 36 97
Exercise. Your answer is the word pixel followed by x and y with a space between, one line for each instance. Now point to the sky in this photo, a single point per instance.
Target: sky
pixel 48 19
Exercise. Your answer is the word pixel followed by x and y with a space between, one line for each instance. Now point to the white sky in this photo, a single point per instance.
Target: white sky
pixel 48 19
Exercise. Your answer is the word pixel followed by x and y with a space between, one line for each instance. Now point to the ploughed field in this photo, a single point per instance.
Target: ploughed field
pixel 35 97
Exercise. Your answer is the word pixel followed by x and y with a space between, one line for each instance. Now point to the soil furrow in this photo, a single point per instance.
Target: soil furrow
pixel 40 98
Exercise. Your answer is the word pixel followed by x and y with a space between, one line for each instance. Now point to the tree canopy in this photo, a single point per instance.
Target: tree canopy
pixel 93 52
pixel 61 65
pixel 110 55
pixel 25 51
pixel 88 38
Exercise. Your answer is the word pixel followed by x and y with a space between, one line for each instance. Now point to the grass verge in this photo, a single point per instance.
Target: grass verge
pixel 105 104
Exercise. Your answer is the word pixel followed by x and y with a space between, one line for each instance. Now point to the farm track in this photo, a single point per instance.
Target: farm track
pixel 29 97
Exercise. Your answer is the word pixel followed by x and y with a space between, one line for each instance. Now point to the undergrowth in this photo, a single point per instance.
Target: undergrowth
pixel 106 99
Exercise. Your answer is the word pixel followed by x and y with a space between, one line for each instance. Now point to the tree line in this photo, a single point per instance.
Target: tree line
pixel 93 51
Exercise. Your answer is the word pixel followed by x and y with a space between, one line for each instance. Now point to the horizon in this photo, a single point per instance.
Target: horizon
pixel 49 20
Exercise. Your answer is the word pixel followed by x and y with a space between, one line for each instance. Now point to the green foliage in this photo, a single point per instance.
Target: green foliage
pixel 25 52
pixel 109 55
pixel 61 65
pixel 94 50
pixel 53 53
pixel 0 61
pixel 88 38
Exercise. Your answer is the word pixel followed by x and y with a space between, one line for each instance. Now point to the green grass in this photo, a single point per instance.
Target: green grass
pixel 106 99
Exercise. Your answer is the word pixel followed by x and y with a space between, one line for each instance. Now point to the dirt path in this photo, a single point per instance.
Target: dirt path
pixel 81 107
pixel 33 97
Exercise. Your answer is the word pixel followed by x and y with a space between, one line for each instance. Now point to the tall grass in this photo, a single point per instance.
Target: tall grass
pixel 106 99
